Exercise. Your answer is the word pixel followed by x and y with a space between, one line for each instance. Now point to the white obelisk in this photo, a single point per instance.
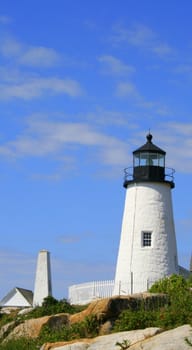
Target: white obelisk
pixel 147 250
pixel 43 285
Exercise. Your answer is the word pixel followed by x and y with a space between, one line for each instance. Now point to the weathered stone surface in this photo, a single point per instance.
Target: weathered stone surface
pixel 8 309
pixel 105 342
pixel 105 328
pixel 77 346
pixel 32 328
pixel 6 329
pixel 147 339
pixel 110 308
pixel 173 339
pixel 106 310
pixel 25 311
pixel 73 344
pixel 108 342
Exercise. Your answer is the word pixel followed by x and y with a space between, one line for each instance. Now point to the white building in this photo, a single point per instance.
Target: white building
pixel 18 297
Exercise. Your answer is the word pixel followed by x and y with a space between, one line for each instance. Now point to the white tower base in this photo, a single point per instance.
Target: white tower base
pixel 147 250
pixel 43 287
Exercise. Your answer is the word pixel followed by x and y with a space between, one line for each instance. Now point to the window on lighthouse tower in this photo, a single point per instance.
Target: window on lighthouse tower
pixel 146 238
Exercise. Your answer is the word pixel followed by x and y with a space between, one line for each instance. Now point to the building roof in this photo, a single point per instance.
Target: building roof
pixel 25 298
pixel 27 294
pixel 149 146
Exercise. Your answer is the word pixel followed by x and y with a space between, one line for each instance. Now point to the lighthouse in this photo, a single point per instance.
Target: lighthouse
pixel 147 249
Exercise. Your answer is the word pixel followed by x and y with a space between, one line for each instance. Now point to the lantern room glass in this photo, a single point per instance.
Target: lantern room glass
pixel 149 159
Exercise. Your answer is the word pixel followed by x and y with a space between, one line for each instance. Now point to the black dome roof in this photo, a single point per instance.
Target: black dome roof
pixel 149 147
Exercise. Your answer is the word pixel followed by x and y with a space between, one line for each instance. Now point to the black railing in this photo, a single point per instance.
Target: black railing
pixel 169 174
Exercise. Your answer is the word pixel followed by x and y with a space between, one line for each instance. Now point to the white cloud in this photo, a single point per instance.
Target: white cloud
pixel 162 50
pixel 112 65
pixel 127 89
pixel 63 141
pixel 172 134
pixel 39 56
pixel 34 56
pixel 142 37
pixel 37 87
pixel 42 138
pixel 110 118
pixel 30 84
pixel 130 91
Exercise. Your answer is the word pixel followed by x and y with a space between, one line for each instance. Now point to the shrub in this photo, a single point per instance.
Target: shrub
pixel 53 306
pixel 179 310
pixel 88 328
pixel 139 319
pixel 171 285
pixel 124 345
pixel 176 313
pixel 20 344
pixel 6 318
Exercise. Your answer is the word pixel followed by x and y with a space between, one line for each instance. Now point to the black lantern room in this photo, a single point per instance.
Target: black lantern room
pixel 149 165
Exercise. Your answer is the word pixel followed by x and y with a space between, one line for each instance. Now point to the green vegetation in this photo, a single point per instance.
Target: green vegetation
pixel 124 345
pixel 6 318
pixel 139 319
pixel 88 328
pixel 176 312
pixel 21 344
pixel 52 306
pixel 188 341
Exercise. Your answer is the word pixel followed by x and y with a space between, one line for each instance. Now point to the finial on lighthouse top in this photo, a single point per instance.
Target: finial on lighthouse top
pixel 149 146
pixel 149 137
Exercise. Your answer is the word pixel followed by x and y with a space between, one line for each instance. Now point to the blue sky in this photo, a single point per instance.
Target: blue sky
pixel 81 83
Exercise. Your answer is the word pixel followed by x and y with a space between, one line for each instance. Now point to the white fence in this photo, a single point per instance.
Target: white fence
pixel 84 293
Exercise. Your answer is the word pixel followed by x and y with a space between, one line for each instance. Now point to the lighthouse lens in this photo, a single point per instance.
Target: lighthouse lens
pixel 149 159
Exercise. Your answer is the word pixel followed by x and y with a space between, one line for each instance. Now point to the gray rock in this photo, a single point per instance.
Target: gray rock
pixel 173 339
pixel 146 339
pixel 108 342
pixel 75 346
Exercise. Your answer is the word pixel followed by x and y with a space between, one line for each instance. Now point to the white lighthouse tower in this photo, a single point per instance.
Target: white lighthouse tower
pixel 147 250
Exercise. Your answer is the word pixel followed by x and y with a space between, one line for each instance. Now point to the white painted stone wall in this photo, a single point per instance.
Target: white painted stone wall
pixel 148 207
pixel 43 286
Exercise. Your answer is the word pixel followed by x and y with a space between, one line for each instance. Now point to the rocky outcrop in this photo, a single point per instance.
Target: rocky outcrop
pixel 29 328
pixel 110 308
pixel 147 339
pixel 32 328
pixel 106 311
pixel 81 344
pixel 7 328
